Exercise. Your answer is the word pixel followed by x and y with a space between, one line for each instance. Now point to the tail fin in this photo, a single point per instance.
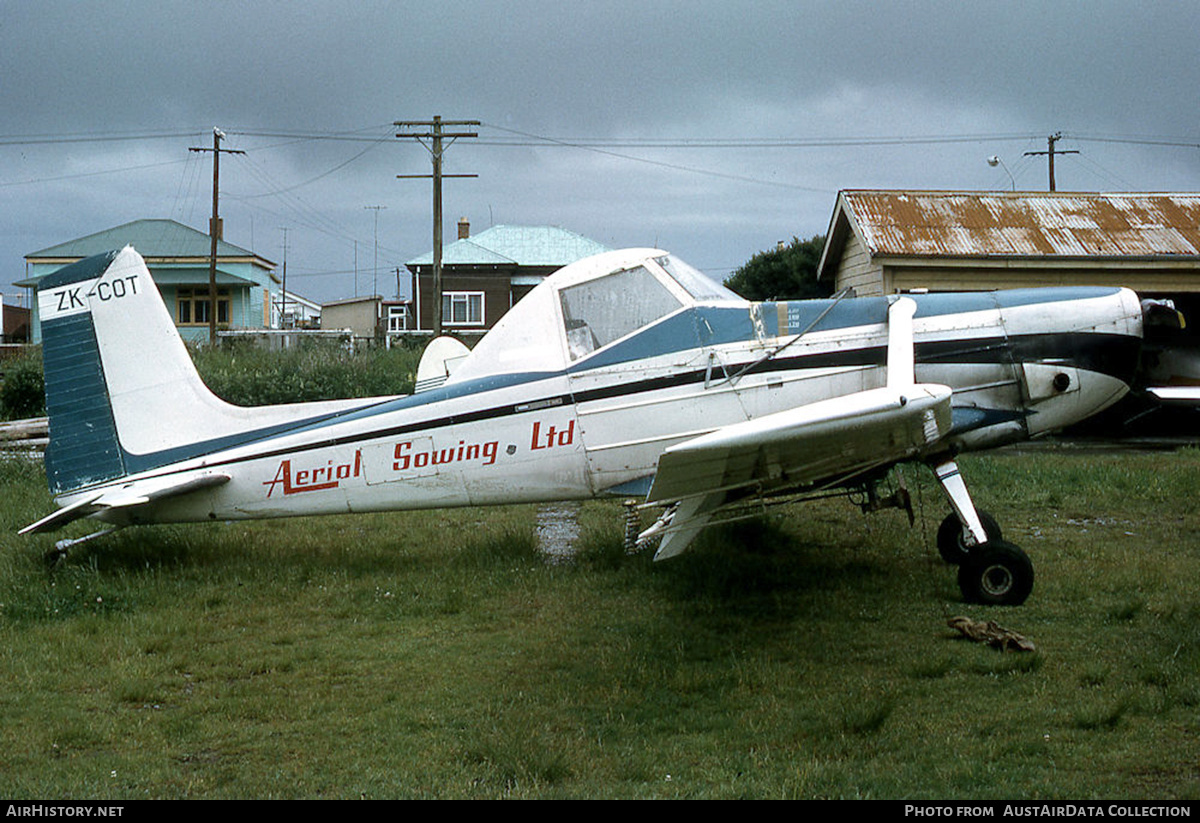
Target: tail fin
pixel 121 390
pixel 120 385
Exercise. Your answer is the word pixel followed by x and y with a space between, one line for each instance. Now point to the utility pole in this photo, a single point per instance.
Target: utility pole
pixel 214 230
pixel 375 268
pixel 283 304
pixel 436 148
pixel 1050 152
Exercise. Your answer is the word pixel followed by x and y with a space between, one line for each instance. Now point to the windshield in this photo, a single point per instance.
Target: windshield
pixel 597 312
pixel 697 284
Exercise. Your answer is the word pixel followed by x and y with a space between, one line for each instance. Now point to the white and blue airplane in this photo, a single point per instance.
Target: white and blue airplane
pixel 628 373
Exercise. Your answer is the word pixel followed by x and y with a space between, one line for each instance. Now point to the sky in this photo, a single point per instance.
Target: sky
pixel 713 130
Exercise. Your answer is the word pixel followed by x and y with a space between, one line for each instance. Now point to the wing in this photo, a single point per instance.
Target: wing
pixel 822 441
pixel 127 497
pixel 795 448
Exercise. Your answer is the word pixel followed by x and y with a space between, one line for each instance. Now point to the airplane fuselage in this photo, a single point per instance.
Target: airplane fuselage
pixel 1020 364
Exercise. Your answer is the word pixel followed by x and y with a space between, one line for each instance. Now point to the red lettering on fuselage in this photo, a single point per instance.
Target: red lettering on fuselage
pixel 552 436
pixel 319 478
pixel 404 457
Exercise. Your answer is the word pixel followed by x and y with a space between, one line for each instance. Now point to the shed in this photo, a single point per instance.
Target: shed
pixel 367 318
pixel 882 242
pixel 178 259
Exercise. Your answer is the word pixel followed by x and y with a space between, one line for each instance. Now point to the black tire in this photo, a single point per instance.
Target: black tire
pixel 996 574
pixel 950 536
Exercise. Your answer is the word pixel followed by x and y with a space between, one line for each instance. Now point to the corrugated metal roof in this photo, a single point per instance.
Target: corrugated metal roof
pixel 519 245
pixel 151 238
pixel 1022 224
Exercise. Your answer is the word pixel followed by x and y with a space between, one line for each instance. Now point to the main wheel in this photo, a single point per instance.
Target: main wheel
pixel 996 574
pixel 950 539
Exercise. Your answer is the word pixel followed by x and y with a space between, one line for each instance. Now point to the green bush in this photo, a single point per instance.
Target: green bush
pixel 22 390
pixel 249 376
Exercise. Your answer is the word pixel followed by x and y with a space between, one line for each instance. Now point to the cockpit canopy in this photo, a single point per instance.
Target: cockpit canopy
pixel 587 306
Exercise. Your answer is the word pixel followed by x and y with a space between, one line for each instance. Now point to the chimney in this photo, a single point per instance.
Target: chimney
pixel 464 228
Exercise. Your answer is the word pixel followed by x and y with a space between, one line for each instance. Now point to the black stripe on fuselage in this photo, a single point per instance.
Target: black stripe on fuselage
pixel 1112 354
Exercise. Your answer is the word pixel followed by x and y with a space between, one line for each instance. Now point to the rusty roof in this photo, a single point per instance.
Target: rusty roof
pixel 1021 224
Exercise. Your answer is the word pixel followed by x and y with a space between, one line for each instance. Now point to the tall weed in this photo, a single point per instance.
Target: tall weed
pixel 248 376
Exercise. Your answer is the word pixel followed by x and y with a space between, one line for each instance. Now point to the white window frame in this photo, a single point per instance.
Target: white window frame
pixel 397 318
pixel 464 298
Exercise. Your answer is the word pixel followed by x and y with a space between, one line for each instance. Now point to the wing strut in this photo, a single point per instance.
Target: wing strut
pixel 901 357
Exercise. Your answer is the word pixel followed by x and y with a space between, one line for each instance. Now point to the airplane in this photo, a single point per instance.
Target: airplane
pixel 627 374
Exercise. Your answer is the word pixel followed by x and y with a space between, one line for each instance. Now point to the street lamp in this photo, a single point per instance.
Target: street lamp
pixel 994 161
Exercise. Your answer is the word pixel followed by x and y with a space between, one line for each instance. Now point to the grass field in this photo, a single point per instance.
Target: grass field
pixel 441 655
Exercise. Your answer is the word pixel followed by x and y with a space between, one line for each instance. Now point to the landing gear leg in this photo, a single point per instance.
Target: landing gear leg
pixel 947 474
pixel 990 570
pixel 899 499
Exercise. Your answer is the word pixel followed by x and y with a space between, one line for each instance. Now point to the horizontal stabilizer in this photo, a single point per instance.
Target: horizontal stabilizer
pixel 65 515
pixel 129 496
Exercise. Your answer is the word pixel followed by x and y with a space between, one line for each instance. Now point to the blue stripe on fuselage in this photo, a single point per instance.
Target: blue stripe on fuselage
pixel 689 328
pixel 719 325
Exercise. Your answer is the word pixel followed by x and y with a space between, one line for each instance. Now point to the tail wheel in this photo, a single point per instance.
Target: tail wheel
pixel 951 542
pixel 996 574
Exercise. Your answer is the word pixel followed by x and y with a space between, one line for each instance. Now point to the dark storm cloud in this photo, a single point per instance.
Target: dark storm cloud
pixel 997 77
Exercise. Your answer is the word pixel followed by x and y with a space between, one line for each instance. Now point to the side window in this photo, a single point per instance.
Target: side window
pixel 462 308
pixel 600 311
pixel 398 318
pixel 192 305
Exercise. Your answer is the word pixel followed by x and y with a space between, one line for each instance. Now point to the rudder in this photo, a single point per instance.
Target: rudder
pixel 83 447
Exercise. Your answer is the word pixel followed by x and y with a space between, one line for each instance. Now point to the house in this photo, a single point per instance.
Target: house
pixel 485 275
pixel 291 311
pixel 178 259
pixel 14 323
pixel 883 242
pixel 367 318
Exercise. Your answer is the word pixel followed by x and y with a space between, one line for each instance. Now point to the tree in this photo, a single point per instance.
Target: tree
pixel 784 273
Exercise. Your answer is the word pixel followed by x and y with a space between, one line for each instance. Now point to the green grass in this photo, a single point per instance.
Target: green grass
pixel 440 655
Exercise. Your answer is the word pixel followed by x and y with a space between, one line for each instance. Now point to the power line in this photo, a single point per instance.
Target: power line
pixel 1138 141
pixel 529 139
pixel 88 137
pixel 742 142
pixel 672 166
